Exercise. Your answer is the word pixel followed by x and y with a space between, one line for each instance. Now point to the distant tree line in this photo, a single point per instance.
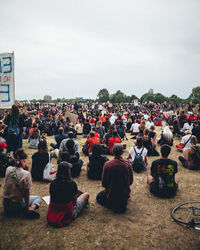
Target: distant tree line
pixel 117 97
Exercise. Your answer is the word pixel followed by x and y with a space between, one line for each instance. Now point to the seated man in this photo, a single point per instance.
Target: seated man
pixel 117 177
pixel 63 146
pixel 162 181
pixel 87 148
pixel 59 137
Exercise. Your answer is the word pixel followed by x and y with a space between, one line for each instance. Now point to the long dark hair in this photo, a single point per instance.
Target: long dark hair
pixel 97 150
pixel 42 147
pixel 14 116
pixel 63 172
pixel 70 146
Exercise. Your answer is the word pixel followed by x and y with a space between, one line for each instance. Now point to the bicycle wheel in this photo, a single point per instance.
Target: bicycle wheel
pixel 187 213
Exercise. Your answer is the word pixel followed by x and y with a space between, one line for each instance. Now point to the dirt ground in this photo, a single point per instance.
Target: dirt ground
pixel 146 224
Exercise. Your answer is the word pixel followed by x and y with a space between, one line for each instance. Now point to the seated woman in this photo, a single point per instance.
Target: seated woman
pixel 5 161
pixel 153 136
pixel 128 125
pixel 121 130
pixel 34 138
pixel 192 156
pixel 39 161
pixel 142 128
pixel 166 137
pixel 65 202
pixel 72 157
pixel 162 180
pixel 114 139
pixel 148 144
pixel 96 162
pixel 17 199
pixel 187 126
pixel 139 163
pixel 135 128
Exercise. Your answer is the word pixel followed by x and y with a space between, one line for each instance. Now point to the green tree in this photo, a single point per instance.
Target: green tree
pixel 159 98
pixel 175 99
pixel 103 95
pixel 195 95
pixel 117 97
pixel 147 97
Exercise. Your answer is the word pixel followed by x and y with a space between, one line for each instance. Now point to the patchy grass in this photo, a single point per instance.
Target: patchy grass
pixel 146 224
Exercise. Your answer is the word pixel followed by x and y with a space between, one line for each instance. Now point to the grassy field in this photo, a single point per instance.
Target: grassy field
pixel 146 224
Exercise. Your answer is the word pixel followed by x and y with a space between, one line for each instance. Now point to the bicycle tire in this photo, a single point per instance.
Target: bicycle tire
pixel 181 221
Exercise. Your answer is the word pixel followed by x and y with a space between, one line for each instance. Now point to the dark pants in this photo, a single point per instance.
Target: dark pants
pixel 117 205
pixel 163 193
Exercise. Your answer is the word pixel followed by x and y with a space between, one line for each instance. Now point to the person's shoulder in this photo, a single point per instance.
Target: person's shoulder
pixel 172 162
pixel 64 141
pixel 9 169
pixel 157 162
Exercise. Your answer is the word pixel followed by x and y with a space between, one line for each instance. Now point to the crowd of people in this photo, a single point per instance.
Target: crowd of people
pixel 106 128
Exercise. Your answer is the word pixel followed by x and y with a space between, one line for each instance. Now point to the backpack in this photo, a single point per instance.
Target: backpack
pixel 138 163
pixel 13 129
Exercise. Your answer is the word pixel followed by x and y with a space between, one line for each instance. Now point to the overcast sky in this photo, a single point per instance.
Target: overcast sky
pixel 75 48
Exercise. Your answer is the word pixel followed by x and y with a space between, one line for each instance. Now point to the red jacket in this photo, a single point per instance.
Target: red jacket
pixel 60 214
pixel 91 141
pixel 111 143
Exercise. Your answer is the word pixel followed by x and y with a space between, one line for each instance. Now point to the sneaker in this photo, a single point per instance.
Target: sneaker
pixel 182 159
pixel 32 215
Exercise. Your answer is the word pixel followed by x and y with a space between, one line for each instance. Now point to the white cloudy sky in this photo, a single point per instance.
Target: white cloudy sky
pixel 70 48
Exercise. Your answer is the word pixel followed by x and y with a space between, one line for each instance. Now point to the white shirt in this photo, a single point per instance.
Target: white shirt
pixel 186 126
pixel 149 124
pixel 135 128
pixel 184 140
pixel 138 150
pixel 112 119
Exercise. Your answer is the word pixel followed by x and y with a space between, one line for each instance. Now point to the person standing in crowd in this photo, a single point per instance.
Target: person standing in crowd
pixel 15 125
pixel 117 177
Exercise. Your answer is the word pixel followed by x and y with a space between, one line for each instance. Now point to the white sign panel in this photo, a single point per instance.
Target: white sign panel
pixel 135 102
pixel 7 85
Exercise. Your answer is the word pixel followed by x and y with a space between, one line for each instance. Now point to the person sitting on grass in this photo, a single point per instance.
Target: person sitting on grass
pixel 39 161
pixel 5 161
pixel 96 162
pixel 117 177
pixel 162 180
pixel 72 157
pixel 166 137
pixel 139 150
pixel 34 138
pixel 114 139
pixel 66 202
pixel 192 155
pixel 90 142
pixel 17 199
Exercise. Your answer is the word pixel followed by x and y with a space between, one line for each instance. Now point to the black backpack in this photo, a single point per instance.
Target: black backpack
pixel 138 163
